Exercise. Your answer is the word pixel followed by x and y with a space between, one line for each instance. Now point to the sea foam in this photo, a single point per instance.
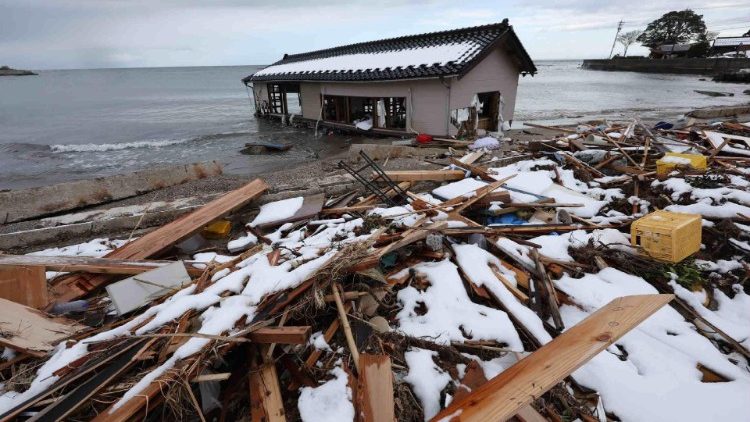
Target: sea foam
pixel 116 146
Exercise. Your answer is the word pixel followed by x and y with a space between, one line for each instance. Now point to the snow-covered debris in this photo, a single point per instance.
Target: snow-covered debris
pixel 444 312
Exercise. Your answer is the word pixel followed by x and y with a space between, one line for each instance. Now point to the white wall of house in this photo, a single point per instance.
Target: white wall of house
pixel 429 100
pixel 497 72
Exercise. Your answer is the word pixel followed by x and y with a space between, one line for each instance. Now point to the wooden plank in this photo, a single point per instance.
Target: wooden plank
pixel 266 403
pixel 30 331
pixel 529 414
pixel 282 335
pixel 24 284
pixel 474 378
pixel 503 396
pixel 528 228
pixel 375 389
pixel 88 264
pixel 76 286
pixel 421 175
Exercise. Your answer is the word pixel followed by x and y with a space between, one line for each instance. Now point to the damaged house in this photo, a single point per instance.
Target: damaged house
pixel 439 83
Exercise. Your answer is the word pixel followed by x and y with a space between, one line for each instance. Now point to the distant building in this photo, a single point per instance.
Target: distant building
pixel 437 83
pixel 723 45
pixel 669 51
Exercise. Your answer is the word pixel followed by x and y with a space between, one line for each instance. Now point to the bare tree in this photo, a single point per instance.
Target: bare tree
pixel 711 35
pixel 628 38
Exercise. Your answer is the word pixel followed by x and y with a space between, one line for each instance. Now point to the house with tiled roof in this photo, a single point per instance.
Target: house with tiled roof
pixel 723 45
pixel 433 83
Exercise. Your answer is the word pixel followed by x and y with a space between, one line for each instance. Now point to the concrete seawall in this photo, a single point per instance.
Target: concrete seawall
pixel 18 205
pixel 684 66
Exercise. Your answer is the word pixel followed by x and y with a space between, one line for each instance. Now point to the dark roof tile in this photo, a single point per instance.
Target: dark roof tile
pixel 475 41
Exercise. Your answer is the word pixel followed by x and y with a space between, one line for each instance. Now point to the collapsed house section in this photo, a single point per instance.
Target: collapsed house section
pixel 440 83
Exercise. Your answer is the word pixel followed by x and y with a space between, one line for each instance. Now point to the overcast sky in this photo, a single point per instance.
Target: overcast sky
pixel 53 34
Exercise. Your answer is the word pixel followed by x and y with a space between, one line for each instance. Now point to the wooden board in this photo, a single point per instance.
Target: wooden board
pixel 311 206
pixel 88 264
pixel 76 286
pixel 31 331
pixel 266 403
pixel 417 175
pixel 24 284
pixel 64 406
pixel 375 389
pixel 282 335
pixel 503 396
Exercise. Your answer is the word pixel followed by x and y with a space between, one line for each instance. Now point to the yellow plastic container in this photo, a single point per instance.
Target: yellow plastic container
pixel 667 236
pixel 218 229
pixel 666 164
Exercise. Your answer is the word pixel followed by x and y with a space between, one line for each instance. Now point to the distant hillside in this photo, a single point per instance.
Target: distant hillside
pixel 7 71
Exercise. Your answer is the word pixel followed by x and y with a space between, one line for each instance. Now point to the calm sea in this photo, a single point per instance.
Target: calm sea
pixel 74 124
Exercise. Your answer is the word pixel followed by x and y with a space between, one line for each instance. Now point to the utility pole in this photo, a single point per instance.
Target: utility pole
pixel 619 27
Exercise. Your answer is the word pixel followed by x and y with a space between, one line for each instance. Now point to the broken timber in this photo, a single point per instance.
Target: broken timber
pixel 503 396
pixel 88 264
pixel 157 241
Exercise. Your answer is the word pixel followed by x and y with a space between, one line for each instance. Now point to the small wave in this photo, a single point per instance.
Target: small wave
pixel 115 147
pixel 142 144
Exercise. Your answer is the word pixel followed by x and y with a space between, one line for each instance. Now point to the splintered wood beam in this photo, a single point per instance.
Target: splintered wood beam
pixel 281 335
pixel 375 389
pixel 78 285
pixel 266 403
pixel 503 396
pixel 421 175
pixel 88 264
pixel 476 170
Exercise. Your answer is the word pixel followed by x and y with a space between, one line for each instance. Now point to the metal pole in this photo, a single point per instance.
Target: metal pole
pixel 619 27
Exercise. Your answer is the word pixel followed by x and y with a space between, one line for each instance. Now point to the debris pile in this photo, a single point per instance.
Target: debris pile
pixel 524 283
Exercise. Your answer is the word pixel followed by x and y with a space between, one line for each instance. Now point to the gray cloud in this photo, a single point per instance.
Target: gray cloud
pixel 102 33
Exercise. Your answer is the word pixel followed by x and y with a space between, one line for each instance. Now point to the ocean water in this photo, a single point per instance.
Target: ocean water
pixel 74 124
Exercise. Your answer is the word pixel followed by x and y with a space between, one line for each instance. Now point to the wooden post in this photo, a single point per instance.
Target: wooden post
pixel 345 325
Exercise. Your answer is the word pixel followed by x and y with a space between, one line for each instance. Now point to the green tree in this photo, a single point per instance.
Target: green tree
pixel 674 27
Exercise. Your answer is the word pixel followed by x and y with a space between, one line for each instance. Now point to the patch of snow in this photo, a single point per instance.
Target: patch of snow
pixel 475 262
pixel 391 59
pixel 329 402
pixel 459 188
pixel 450 314
pixel 658 379
pixel 426 379
pixel 277 211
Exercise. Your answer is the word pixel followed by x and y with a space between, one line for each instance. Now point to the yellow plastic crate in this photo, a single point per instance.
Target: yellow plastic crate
pixel 667 236
pixel 664 165
pixel 218 229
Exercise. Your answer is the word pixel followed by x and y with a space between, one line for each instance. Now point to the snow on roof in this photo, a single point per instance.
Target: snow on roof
pixel 731 41
pixel 429 55
pixel 416 57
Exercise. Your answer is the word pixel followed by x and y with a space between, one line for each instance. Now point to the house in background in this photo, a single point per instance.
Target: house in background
pixel 723 45
pixel 670 51
pixel 437 83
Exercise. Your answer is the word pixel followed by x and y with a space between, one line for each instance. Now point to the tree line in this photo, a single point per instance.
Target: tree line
pixel 675 27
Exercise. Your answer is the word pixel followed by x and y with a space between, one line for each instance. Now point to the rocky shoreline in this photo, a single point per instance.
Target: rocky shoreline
pixel 7 71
